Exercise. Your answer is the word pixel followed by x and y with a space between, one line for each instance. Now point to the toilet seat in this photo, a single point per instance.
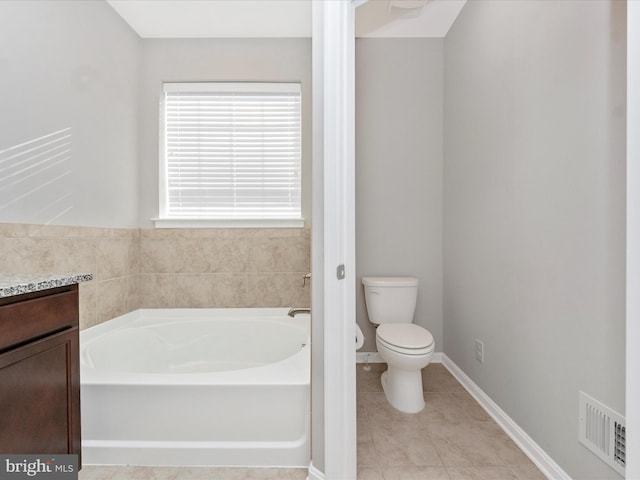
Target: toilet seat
pixel 405 338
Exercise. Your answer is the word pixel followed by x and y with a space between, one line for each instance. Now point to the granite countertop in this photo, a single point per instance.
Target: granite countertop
pixel 18 283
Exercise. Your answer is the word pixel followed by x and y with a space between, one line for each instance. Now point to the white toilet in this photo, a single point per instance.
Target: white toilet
pixel 407 348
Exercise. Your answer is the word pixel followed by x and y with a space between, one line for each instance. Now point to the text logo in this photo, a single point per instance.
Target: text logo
pixel 49 467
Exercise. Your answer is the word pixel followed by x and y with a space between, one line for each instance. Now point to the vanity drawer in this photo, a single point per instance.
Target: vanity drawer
pixel 34 318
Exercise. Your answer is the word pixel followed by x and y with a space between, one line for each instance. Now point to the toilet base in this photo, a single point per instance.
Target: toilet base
pixel 403 389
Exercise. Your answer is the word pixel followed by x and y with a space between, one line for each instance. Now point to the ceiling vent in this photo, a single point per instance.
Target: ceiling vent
pixel 411 6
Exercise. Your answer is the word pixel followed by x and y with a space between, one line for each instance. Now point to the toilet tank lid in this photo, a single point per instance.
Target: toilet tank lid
pixel 390 281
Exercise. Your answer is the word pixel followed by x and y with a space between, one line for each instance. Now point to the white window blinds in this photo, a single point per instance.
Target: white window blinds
pixel 232 151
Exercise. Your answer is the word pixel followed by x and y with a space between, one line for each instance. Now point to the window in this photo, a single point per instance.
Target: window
pixel 231 152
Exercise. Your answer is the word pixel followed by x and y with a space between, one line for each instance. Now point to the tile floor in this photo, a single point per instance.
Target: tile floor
pixel 451 439
pixel 191 473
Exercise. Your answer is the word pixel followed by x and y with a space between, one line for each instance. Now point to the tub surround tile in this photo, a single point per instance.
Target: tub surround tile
pixel 106 252
pixel 59 231
pixel 70 231
pixel 263 232
pixel 75 255
pixel 277 290
pixel 133 293
pixel 192 255
pixel 299 258
pixel 17 284
pixel 228 255
pixel 229 290
pixel 245 267
pixel 285 254
pixel 146 233
pixel 111 298
pixel 53 231
pixel 157 290
pixel 26 255
pixel 112 258
pixel 133 256
pixel 9 230
pixel 87 299
pixel 157 255
pixel 193 290
pixel 146 266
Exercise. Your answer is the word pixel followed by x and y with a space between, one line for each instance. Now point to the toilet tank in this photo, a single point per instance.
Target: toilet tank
pixel 390 299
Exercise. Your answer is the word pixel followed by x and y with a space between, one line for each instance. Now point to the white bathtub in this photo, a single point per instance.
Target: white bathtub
pixel 197 387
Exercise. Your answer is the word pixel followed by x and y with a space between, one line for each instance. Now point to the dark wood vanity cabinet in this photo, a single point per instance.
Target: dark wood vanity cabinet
pixel 40 372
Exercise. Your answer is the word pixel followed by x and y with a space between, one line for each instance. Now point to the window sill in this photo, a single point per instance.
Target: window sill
pixel 228 223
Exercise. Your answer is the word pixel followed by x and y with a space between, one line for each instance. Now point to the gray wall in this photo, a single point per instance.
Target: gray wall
pixel 68 65
pixel 399 171
pixel 534 204
pixel 187 60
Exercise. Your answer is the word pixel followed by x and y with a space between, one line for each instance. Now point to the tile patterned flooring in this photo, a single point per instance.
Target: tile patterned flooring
pixel 451 439
pixel 191 473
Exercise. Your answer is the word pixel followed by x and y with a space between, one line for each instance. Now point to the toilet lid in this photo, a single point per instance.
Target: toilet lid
pixel 404 335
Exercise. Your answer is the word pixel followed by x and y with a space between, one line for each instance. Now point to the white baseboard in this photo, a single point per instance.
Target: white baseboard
pixel 314 473
pixel 368 357
pixel 537 455
pixel 374 357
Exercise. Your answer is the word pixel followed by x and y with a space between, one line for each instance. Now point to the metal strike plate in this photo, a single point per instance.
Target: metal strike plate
pixel 340 272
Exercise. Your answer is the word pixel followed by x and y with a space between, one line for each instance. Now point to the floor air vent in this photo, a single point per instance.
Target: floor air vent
pixel 603 432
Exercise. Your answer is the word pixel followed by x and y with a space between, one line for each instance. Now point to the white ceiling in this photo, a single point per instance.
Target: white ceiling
pixel 277 18
pixel 375 19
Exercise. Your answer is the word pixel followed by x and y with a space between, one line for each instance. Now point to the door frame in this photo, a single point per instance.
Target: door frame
pixel 632 415
pixel 334 235
pixel 333 241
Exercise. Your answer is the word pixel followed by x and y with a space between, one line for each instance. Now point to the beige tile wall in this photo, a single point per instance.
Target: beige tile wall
pixel 111 254
pixel 165 268
pixel 224 267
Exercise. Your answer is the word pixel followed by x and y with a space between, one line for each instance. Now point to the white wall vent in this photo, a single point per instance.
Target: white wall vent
pixel 602 431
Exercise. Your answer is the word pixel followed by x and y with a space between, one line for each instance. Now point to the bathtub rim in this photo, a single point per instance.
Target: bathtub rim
pixel 293 370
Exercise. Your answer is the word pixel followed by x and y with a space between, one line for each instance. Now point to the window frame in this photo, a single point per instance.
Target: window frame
pixel 164 221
